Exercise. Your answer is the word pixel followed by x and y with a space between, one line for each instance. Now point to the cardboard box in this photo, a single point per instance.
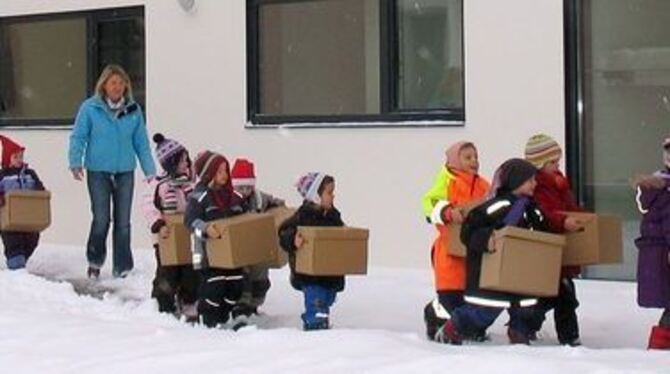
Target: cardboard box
pixel 333 251
pixel 176 248
pixel 26 211
pixel 279 256
pixel 599 242
pixel 248 239
pixel 454 245
pixel 525 262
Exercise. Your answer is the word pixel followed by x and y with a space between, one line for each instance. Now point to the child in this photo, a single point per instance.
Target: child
pixel 554 196
pixel 512 205
pixel 174 287
pixel 213 198
pixel 318 192
pixel 16 175
pixel 457 183
pixel 256 283
pixel 653 264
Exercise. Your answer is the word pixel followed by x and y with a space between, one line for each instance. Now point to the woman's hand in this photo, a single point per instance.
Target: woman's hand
pixel 457 216
pixel 492 247
pixel 77 173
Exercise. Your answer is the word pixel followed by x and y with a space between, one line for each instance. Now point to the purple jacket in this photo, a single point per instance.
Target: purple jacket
pixel 653 269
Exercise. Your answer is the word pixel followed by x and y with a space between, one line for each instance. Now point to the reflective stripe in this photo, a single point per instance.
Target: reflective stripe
pixel 527 302
pixel 487 302
pixel 202 197
pixel 497 206
pixel 321 315
pixel 224 278
pixel 436 214
pixel 228 301
pixel 210 302
pixel 440 311
pixel 638 195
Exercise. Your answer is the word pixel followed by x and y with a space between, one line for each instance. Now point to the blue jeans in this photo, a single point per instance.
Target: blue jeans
pixel 116 188
pixel 318 301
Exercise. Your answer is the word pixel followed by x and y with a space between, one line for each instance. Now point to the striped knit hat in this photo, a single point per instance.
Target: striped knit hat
pixel 166 150
pixel 308 186
pixel 541 149
pixel 206 165
pixel 243 173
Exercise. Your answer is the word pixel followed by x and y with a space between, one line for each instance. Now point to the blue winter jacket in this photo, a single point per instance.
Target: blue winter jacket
pixel 110 142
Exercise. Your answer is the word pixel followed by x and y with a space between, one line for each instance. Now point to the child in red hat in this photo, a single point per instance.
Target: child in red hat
pixel 15 175
pixel 256 283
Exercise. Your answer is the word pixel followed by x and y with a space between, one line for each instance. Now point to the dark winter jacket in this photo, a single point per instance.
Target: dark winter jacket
pixel 22 178
pixel 205 205
pixel 475 233
pixel 653 272
pixel 309 214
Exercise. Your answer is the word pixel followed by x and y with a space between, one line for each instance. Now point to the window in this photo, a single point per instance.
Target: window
pixel 618 85
pixel 315 61
pixel 50 63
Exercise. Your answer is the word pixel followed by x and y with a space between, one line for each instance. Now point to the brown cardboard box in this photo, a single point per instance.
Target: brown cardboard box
pixel 176 248
pixel 333 251
pixel 600 242
pixel 455 246
pixel 248 239
pixel 279 256
pixel 26 211
pixel 525 262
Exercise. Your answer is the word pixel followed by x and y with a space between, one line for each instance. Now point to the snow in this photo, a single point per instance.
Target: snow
pixel 45 327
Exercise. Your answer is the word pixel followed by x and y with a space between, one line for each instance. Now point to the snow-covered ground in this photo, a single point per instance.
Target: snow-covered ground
pixel 45 327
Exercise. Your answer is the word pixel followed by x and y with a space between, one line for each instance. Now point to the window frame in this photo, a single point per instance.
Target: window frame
pixel 390 115
pixel 92 18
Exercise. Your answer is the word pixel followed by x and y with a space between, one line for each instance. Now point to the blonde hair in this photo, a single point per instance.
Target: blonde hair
pixel 109 71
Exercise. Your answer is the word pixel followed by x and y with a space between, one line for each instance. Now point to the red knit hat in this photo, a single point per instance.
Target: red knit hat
pixel 243 173
pixel 206 164
pixel 9 147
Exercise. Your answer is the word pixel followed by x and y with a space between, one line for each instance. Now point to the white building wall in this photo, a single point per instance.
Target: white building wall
pixel 196 93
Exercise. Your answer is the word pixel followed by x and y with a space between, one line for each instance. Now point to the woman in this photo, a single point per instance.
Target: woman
pixel 109 133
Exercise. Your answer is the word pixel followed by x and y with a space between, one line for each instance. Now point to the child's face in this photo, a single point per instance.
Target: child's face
pixel 328 196
pixel 221 176
pixel 182 166
pixel 666 156
pixel 551 166
pixel 16 159
pixel 469 160
pixel 527 188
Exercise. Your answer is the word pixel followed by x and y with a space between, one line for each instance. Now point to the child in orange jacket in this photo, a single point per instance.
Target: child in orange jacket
pixel 457 183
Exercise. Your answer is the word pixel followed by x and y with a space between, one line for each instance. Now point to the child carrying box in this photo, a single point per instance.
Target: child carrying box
pixel 16 175
pixel 554 196
pixel 175 287
pixel 213 198
pixel 457 183
pixel 256 282
pixel 318 192
pixel 512 205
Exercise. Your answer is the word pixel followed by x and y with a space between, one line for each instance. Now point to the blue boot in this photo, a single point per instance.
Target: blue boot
pixel 16 262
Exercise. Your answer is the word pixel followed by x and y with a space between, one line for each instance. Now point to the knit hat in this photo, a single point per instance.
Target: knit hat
pixel 206 165
pixel 541 149
pixel 308 186
pixel 513 173
pixel 9 147
pixel 166 152
pixel 454 152
pixel 243 173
